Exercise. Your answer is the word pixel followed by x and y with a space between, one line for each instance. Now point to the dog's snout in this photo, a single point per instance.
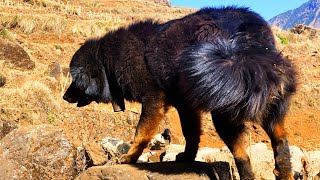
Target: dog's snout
pixel 67 98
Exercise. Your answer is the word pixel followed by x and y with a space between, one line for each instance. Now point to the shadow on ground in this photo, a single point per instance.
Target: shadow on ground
pixel 163 170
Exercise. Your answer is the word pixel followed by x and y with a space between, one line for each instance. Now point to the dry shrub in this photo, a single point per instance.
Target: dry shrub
pixel 54 24
pixel 87 30
pixel 31 23
pixel 33 103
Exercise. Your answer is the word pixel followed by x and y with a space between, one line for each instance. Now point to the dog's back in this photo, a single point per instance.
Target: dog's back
pixel 221 60
pixel 224 61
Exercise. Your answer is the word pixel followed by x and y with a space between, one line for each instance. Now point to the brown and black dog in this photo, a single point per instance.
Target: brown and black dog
pixel 218 60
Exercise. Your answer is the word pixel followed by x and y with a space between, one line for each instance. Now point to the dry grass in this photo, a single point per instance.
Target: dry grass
pixel 304 51
pixel 33 103
pixel 57 25
pixel 31 23
pixel 63 16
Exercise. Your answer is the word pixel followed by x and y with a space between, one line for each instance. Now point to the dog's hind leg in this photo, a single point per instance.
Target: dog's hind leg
pixel 191 128
pixel 273 124
pixel 232 135
pixel 151 115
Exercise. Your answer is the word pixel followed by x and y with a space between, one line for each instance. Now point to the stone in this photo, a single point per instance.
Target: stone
pixel 296 156
pixel 159 171
pixel 145 157
pixel 96 153
pixel 311 163
pixel 114 147
pixel 15 56
pixel 36 152
pixel 6 127
pixel 157 142
pixel 54 70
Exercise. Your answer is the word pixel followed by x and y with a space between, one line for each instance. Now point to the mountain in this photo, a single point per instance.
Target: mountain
pixel 307 14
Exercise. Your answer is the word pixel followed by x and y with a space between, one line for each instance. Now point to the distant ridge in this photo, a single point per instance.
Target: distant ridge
pixel 307 14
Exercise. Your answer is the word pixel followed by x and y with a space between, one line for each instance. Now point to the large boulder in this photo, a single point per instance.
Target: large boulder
pixel 261 158
pixel 164 170
pixel 36 152
pixel 15 56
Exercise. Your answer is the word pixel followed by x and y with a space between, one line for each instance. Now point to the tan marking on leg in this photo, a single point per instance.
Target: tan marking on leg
pixel 146 129
pixel 279 132
pixel 239 150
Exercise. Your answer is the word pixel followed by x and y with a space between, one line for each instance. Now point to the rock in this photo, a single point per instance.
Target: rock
pixel 54 70
pixel 163 170
pixel 6 127
pixel 171 151
pixel 10 169
pixel 114 147
pixel 2 80
pixel 157 142
pixel 303 29
pixel 206 154
pixel 36 152
pixel 312 165
pixel 175 148
pixel 262 161
pixel 145 157
pixel 15 56
pixel 65 71
pixel 296 156
pixel 96 153
pixel 169 157
pixel 163 2
pixel 259 153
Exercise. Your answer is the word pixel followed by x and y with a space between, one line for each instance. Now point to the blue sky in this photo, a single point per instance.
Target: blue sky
pixel 266 8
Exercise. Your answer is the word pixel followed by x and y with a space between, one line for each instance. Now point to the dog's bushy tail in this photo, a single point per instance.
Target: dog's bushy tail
pixel 233 76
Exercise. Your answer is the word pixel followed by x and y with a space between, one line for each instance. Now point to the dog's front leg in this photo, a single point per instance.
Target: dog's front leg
pixel 151 115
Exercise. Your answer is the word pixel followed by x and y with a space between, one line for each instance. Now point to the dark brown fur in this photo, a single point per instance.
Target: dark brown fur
pixel 221 61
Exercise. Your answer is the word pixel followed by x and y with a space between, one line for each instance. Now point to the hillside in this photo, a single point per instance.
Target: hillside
pixel 39 37
pixel 307 14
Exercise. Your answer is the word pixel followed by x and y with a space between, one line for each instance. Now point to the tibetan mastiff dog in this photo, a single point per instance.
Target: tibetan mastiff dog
pixel 217 60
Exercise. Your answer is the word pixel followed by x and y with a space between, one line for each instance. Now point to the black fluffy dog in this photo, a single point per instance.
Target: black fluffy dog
pixel 222 61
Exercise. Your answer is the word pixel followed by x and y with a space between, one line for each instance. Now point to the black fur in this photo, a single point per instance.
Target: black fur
pixel 218 60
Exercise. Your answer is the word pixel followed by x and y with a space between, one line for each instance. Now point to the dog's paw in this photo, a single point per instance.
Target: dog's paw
pixel 185 157
pixel 127 159
pixel 288 176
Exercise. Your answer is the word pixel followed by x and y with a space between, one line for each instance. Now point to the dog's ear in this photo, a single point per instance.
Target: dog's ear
pixel 93 81
pixel 80 77
pixel 93 87
pixel 98 85
pixel 106 93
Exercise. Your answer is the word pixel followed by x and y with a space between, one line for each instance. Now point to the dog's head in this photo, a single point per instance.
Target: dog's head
pixel 89 79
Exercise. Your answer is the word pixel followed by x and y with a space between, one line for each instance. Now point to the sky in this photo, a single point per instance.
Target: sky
pixel 266 8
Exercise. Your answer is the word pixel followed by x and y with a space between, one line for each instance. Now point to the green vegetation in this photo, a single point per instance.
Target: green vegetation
pixel 51 118
pixel 283 39
pixel 5 34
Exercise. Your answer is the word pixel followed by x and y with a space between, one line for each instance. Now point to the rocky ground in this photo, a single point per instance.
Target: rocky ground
pixel 43 152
